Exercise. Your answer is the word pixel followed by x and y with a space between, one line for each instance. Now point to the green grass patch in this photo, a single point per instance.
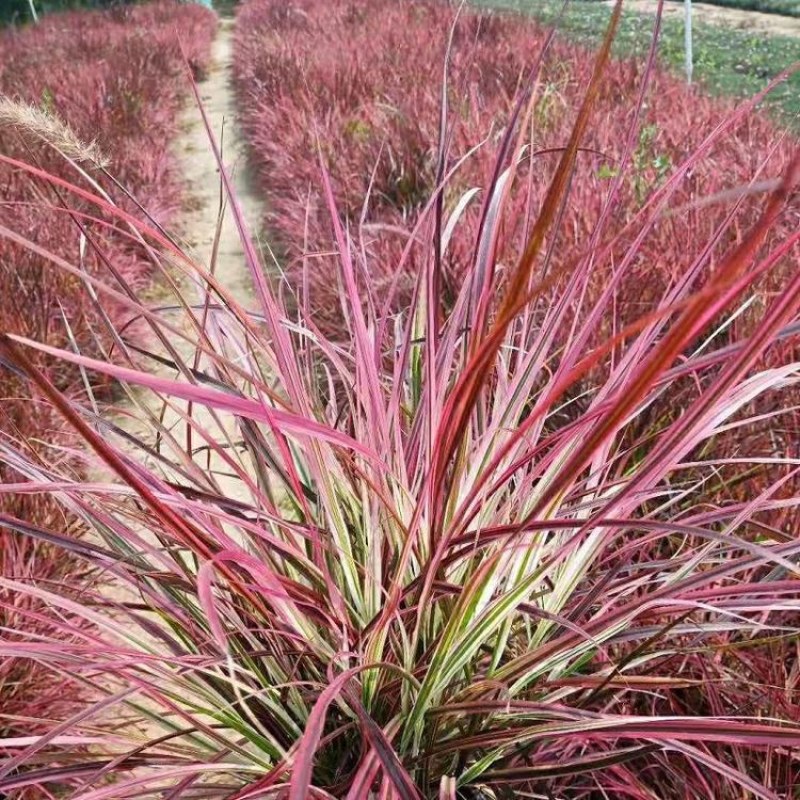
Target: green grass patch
pixel 727 61
pixel 785 8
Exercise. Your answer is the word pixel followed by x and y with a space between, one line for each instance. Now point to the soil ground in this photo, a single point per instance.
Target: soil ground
pixel 198 229
pixel 771 24
pixel 198 165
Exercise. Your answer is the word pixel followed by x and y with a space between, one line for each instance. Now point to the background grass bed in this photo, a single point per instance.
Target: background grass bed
pixel 788 8
pixel 115 79
pixel 727 61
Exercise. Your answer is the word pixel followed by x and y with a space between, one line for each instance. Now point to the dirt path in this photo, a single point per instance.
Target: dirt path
pixel 202 177
pixel 756 21
pixel 197 228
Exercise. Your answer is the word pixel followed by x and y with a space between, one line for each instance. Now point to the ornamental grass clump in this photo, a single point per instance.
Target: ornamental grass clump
pixel 361 83
pixel 406 558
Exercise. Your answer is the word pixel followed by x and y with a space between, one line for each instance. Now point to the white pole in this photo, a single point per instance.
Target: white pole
pixel 687 7
pixel 33 11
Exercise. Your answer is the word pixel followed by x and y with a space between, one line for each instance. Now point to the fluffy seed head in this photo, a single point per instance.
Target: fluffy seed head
pixel 46 126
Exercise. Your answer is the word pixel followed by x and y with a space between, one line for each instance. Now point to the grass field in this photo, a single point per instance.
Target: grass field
pixel 727 61
pixel 786 8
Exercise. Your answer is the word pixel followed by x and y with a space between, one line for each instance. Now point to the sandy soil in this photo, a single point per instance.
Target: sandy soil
pixel 198 226
pixel 771 24
pixel 202 177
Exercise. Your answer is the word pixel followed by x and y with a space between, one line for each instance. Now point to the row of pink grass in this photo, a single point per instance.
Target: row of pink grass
pixel 118 79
